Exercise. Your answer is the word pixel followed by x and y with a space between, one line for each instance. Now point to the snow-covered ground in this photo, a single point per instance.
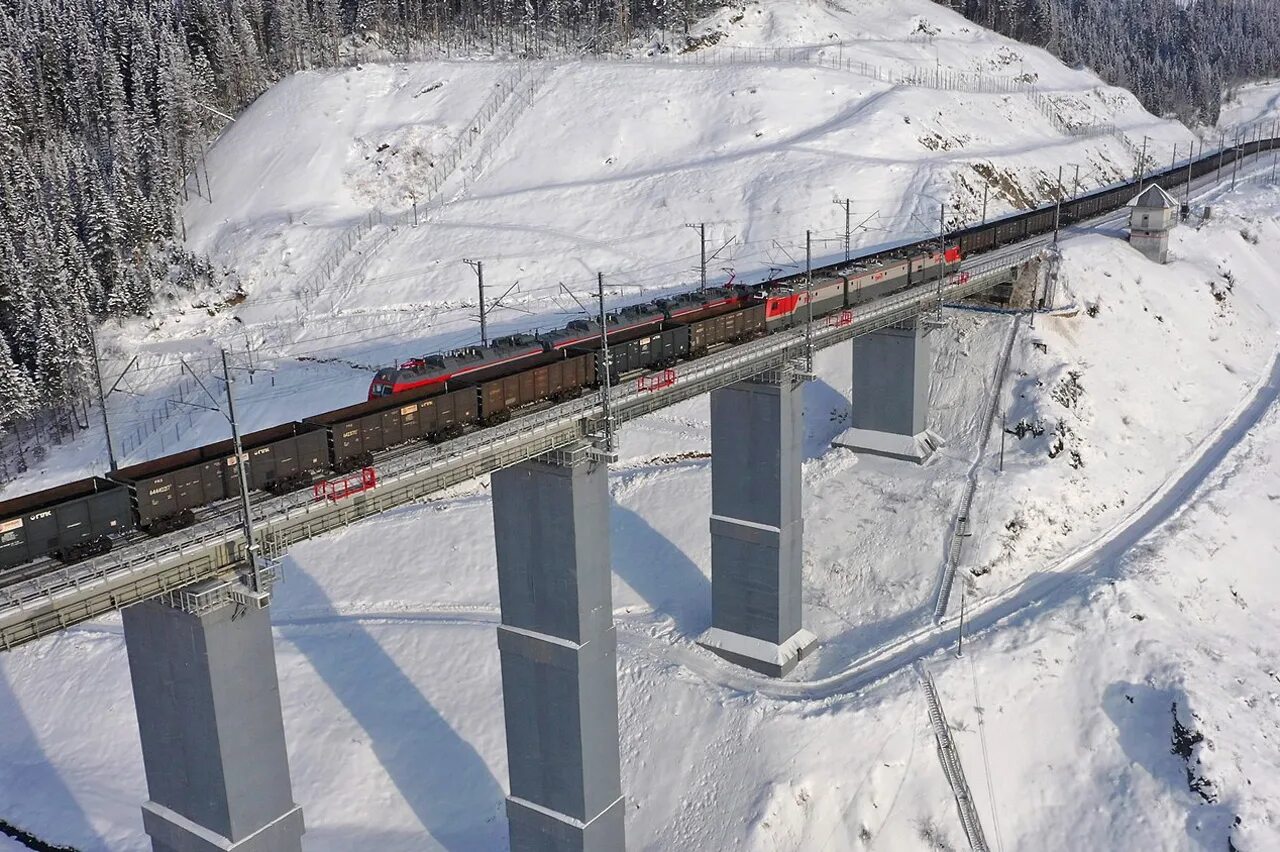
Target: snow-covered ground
pixel 389 670
pixel 1095 616
pixel 1251 103
pixel 600 172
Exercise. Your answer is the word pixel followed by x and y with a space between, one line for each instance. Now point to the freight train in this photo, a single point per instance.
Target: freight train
pixel 437 397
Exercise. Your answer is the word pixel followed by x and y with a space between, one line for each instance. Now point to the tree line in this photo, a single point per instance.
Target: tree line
pixel 1179 57
pixel 106 105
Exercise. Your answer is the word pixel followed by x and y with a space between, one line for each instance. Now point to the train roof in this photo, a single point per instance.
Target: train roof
pixel 210 452
pixel 632 316
pixel 373 406
pixel 30 503
pixel 467 358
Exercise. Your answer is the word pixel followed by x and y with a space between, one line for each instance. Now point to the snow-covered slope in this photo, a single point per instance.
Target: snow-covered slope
pixel 391 685
pixel 794 106
pixel 385 637
pixel 1251 103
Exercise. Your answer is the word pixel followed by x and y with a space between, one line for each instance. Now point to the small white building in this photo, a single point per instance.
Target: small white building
pixel 1151 216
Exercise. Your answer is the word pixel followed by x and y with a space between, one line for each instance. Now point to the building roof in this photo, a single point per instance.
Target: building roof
pixel 1154 198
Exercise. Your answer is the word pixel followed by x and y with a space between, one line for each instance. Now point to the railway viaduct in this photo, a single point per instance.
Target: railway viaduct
pixel 199 641
pixel 198 635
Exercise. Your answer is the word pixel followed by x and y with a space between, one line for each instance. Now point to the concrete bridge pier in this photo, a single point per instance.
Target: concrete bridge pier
pixel 204 682
pixel 890 414
pixel 559 654
pixel 757 525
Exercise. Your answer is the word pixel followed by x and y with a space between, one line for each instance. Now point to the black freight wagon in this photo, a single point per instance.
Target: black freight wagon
pixel 165 491
pixel 662 347
pixel 555 381
pixel 69 522
pixel 356 432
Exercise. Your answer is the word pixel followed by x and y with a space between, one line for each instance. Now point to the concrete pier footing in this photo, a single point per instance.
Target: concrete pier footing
pixel 209 718
pixel 891 394
pixel 558 650
pixel 757 526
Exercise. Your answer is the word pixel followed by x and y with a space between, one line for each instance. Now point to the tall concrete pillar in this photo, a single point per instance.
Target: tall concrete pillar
pixel 890 414
pixel 559 655
pixel 757 526
pixel 213 745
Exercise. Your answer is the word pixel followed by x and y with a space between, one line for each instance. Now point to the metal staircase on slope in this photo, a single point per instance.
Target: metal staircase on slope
pixel 949 757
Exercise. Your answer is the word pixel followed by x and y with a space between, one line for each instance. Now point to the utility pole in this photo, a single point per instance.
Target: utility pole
pixel 478 266
pixel 942 252
pixel 960 643
pixel 701 228
pixel 1174 161
pixel 808 298
pixel 1076 193
pixel 848 228
pixel 1274 149
pixel 1235 163
pixel 1057 213
pixel 250 547
pixel 1222 149
pixel 102 400
pixel 1004 430
pixel 986 188
pixel 1186 190
pixel 1142 164
pixel 605 365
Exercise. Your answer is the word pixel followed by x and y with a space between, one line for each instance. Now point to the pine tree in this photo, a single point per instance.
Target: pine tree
pixel 17 391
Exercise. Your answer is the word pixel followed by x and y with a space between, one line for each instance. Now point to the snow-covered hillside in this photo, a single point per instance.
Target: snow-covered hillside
pixel 391 684
pixel 756 135
pixel 1095 613
pixel 1252 103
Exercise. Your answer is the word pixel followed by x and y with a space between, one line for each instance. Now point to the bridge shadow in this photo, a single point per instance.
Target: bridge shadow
pixel 27 768
pixel 441 776
pixel 826 416
pixel 661 573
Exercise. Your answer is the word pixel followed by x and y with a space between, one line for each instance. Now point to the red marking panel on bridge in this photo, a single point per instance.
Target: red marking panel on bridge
pixel 334 490
pixel 656 381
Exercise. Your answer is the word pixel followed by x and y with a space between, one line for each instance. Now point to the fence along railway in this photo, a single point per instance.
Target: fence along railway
pixel 201 540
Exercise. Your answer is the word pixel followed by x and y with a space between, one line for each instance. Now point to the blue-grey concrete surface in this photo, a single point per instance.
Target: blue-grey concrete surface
pixel 559 657
pixel 757 525
pixel 213 747
pixel 891 380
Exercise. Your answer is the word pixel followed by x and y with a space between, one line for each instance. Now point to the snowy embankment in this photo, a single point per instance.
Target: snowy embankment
pixel 600 171
pixel 385 631
pixel 1251 103
pixel 391 686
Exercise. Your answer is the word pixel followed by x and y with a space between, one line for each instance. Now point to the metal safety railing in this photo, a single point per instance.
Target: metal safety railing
pixel 949 757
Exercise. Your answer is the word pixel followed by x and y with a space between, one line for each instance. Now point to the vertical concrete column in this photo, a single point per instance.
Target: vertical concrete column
pixel 890 414
pixel 757 525
pixel 559 655
pixel 213 745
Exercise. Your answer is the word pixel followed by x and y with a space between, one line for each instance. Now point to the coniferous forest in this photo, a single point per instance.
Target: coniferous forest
pixel 105 106
pixel 1177 56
